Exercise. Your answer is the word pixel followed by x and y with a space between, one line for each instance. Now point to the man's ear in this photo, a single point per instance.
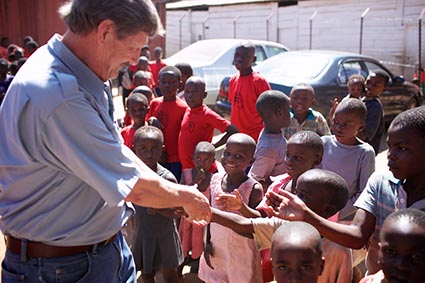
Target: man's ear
pixel 104 29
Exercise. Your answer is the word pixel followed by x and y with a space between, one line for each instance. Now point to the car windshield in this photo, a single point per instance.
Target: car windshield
pixel 294 65
pixel 203 51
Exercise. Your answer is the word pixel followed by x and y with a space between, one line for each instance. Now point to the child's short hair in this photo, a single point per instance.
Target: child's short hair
pixel 353 105
pixel 144 90
pixel 196 79
pixel 412 215
pixel 272 100
pixel 296 229
pixel 412 119
pixel 158 49
pixel 380 74
pixel 205 147
pixel 334 184
pixel 303 86
pixel 136 97
pixel 185 68
pixel 247 45
pixel 173 70
pixel 356 78
pixel 310 139
pixel 148 129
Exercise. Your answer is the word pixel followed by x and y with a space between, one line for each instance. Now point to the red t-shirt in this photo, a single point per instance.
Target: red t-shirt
pixel 127 134
pixel 198 125
pixel 155 68
pixel 170 114
pixel 243 94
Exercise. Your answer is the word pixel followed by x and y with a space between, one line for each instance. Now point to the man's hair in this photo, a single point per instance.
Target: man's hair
pixel 303 86
pixel 173 70
pixel 412 119
pixel 335 185
pixel 380 74
pixel 185 68
pixel 148 129
pixel 206 147
pixel 353 105
pixel 310 140
pixel 129 16
pixel 272 100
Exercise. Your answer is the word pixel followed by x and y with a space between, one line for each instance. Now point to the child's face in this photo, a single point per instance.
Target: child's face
pixel 194 94
pixel 301 101
pixel 236 157
pixel 296 261
pixel 355 89
pixel 137 111
pixel 402 252
pixel 316 198
pixel 169 84
pixel 243 58
pixel 346 125
pixel 203 160
pixel 406 153
pixel 157 54
pixel 275 120
pixel 138 81
pixel 299 158
pixel 149 148
pixel 143 65
pixel 374 86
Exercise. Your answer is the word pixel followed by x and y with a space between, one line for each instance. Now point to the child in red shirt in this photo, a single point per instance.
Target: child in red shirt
pixel 156 66
pixel 137 108
pixel 244 89
pixel 199 123
pixel 166 112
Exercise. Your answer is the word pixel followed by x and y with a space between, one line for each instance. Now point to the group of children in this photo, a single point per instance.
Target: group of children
pixel 293 168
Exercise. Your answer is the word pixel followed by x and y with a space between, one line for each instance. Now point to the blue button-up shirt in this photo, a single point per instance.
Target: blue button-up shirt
pixel 64 171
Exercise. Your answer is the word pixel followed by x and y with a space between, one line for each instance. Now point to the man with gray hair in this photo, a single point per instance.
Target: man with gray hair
pixel 67 180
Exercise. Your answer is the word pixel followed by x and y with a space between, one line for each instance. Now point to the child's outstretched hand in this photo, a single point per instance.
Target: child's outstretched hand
pixel 232 202
pixel 208 252
pixel 291 207
pixel 200 176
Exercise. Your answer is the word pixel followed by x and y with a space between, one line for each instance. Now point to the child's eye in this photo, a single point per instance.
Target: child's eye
pixel 283 267
pixel 306 267
pixel 238 156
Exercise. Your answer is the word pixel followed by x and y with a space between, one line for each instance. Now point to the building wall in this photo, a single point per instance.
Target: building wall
pixel 37 18
pixel 390 28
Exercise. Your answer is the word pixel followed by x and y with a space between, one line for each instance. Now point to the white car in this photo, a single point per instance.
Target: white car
pixel 212 59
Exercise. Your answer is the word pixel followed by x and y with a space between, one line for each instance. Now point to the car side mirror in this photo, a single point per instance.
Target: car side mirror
pixel 398 80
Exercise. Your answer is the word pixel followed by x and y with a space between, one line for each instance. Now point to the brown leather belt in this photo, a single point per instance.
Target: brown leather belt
pixel 37 249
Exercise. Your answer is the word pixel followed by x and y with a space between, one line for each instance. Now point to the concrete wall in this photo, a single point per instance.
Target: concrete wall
pixel 390 28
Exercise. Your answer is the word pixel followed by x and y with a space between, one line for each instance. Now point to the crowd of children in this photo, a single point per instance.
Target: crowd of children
pixel 286 163
pixel 12 57
pixel 281 161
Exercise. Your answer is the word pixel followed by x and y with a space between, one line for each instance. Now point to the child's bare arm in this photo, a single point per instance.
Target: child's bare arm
pixel 231 129
pixel 353 236
pixel 233 202
pixel 237 223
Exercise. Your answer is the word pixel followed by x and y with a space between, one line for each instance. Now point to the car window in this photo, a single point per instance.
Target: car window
pixel 274 50
pixel 294 66
pixel 372 67
pixel 259 52
pixel 349 68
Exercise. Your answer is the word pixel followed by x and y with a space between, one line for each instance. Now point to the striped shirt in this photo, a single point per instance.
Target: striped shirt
pixel 314 122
